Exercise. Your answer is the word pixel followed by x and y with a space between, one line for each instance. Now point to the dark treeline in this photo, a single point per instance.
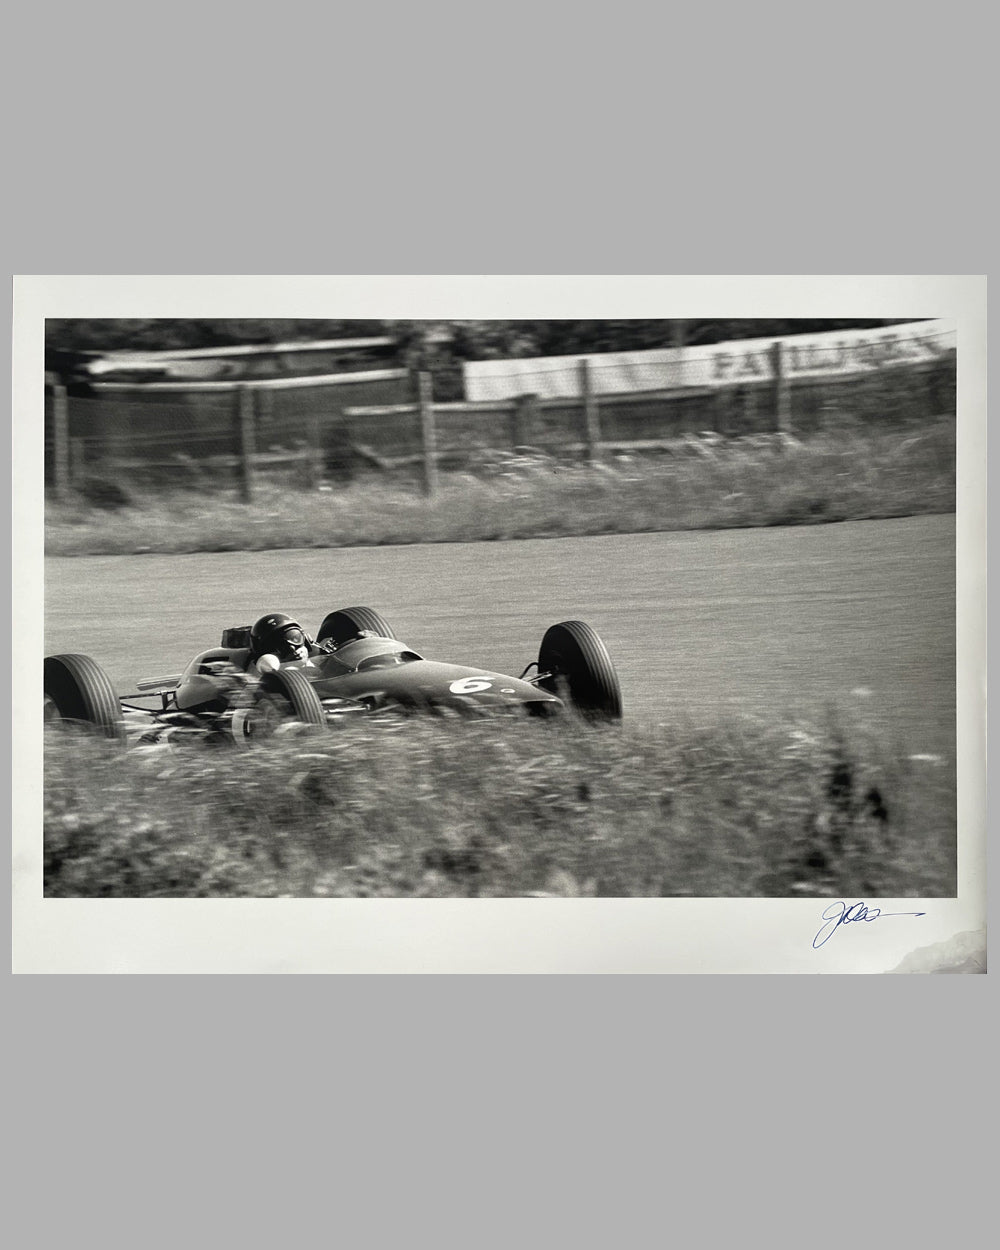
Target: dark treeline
pixel 153 334
pixel 459 340
pixel 478 340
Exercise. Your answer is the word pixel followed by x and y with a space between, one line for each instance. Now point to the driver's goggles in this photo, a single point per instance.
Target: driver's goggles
pixel 295 637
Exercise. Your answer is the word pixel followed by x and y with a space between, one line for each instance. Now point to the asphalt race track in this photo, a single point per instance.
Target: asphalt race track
pixel 701 625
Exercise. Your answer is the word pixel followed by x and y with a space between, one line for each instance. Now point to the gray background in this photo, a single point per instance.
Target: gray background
pixel 770 1103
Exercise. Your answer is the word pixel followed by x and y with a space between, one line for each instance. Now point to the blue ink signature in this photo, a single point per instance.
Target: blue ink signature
pixel 839 913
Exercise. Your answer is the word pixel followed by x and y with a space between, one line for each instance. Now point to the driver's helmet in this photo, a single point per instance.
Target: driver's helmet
pixel 280 635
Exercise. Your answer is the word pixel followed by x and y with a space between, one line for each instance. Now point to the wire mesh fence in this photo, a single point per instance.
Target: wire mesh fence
pixel 218 435
pixel 172 433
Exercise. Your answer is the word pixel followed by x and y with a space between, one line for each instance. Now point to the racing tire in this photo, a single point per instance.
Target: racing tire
pixel 578 664
pixel 79 691
pixel 340 627
pixel 294 688
pixel 286 696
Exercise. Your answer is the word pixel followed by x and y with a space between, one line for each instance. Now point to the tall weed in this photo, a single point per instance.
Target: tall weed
pixel 734 810
pixel 852 473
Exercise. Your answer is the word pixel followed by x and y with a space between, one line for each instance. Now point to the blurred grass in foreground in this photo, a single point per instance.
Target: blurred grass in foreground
pixel 702 483
pixel 502 809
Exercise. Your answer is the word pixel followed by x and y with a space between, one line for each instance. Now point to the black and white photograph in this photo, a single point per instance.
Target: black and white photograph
pixel 457 609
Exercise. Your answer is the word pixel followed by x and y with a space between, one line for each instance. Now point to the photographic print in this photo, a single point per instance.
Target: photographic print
pixel 462 608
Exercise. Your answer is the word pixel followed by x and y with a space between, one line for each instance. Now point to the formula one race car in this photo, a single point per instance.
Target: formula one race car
pixel 256 684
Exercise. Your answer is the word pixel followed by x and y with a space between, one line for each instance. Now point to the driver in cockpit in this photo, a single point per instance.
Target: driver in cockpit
pixel 283 637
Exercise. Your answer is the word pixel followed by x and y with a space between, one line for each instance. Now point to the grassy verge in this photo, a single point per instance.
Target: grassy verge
pixel 700 483
pixel 740 810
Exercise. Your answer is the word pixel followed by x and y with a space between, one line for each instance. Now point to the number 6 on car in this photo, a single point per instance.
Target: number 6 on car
pixel 470 685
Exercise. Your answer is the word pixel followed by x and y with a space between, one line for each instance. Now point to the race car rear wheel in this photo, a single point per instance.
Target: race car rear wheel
pixel 285 697
pixel 347 623
pixel 78 690
pixel 577 665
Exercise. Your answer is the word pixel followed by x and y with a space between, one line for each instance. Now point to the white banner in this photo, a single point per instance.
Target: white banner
pixel 824 354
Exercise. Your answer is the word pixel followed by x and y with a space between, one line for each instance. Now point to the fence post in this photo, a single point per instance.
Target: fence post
pixel 60 441
pixel 748 415
pixel 314 452
pixel 719 408
pixel 782 391
pixel 76 459
pixel 591 417
pixel 428 433
pixel 247 442
pixel 523 420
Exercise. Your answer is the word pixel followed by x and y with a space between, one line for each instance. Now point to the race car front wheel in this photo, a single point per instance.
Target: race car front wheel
pixel 576 664
pixel 77 690
pixel 342 626
pixel 285 697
